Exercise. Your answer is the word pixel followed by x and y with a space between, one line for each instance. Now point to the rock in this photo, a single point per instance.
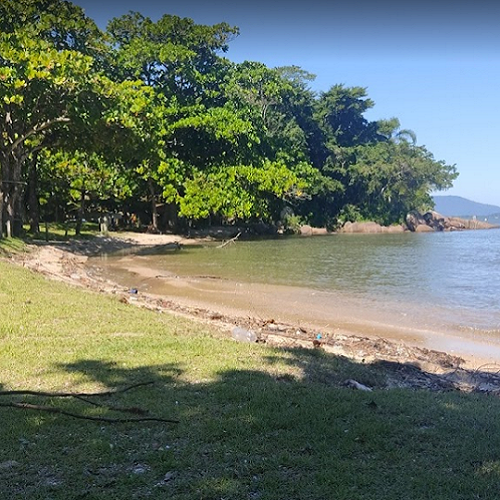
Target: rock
pixel 423 228
pixel 306 230
pixel 434 221
pixel 369 227
pixel 361 227
pixel 413 220
pixel 356 385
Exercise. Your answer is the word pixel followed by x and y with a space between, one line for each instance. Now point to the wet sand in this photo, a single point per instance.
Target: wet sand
pixel 386 332
pixel 311 309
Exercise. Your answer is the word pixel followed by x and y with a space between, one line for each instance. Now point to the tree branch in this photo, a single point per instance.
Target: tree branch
pixel 51 409
pixel 232 240
pixel 38 128
pixel 81 396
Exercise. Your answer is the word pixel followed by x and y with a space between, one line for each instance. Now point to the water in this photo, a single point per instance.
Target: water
pixel 441 281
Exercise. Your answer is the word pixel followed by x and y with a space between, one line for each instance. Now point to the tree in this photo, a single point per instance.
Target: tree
pixel 75 179
pixel 51 83
pixel 41 76
pixel 174 55
pixel 391 178
pixel 240 193
pixel 340 114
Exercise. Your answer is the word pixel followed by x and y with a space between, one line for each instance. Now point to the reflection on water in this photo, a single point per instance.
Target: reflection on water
pixel 437 278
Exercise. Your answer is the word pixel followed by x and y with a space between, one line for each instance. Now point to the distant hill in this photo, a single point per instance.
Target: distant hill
pixel 456 206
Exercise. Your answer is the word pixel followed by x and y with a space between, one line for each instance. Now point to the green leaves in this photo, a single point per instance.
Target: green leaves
pixel 151 111
pixel 239 193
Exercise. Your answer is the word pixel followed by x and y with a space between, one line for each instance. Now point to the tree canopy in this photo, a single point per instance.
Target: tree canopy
pixel 151 117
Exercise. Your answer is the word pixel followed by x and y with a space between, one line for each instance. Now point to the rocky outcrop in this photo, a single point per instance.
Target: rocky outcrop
pixel 307 230
pixel 369 228
pixel 434 221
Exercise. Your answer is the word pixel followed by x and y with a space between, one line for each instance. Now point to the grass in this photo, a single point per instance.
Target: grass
pixel 62 231
pixel 255 422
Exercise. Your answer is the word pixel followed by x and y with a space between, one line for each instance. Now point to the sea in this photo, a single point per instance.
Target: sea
pixel 427 282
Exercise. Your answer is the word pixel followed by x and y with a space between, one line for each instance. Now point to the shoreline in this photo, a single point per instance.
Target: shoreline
pixel 305 308
pixel 362 341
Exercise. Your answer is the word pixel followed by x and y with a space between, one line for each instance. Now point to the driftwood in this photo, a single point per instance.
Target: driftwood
pixel 228 242
pixel 81 396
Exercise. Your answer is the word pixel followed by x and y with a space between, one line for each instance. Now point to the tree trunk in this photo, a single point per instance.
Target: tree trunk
pixel 154 211
pixel 19 212
pixel 1 210
pixel 13 211
pixel 33 204
pixel 79 215
pixel 9 212
pixel 11 188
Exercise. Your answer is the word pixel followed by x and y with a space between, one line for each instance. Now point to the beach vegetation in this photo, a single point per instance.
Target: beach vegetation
pixel 148 114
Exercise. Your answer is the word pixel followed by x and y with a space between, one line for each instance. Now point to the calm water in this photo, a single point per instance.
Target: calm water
pixel 453 278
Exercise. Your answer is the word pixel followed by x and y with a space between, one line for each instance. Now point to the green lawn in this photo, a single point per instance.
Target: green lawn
pixel 255 423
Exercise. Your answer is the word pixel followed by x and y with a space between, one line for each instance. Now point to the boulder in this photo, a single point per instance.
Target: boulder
pixel 414 219
pixel 369 228
pixel 434 221
pixel 424 228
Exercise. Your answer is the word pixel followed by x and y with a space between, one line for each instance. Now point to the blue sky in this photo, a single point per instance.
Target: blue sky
pixel 435 65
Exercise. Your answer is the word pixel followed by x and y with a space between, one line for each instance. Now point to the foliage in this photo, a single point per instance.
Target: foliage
pixel 155 108
pixel 240 193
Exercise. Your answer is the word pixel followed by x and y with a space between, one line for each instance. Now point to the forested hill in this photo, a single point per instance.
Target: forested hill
pixel 150 119
pixel 462 207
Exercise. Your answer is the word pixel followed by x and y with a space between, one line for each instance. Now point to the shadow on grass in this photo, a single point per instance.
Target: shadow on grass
pixel 260 434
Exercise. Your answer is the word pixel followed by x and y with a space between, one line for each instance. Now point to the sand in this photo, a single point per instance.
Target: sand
pixel 276 314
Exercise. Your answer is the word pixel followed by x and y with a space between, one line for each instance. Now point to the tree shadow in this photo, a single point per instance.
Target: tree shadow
pixel 289 430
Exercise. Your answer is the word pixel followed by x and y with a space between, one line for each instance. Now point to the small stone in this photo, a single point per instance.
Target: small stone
pixel 9 464
pixel 168 476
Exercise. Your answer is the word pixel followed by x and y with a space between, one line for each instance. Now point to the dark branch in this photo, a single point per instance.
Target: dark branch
pixel 51 409
pixel 82 397
pixel 72 394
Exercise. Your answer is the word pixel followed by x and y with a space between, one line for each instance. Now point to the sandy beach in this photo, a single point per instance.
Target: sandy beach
pixel 279 315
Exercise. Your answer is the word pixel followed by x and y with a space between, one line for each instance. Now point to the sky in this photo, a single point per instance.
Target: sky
pixel 434 65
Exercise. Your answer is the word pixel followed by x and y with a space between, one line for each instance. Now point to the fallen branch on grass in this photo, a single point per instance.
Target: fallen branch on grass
pixel 82 397
pixel 52 409
pixel 73 394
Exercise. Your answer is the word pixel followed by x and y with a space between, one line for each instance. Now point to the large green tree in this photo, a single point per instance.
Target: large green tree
pixel 155 112
pixel 370 169
pixel 52 89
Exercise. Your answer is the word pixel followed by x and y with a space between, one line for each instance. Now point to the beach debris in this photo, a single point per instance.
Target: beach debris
pixel 243 335
pixel 229 242
pixel 353 384
pixel 317 341
pixel 133 291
